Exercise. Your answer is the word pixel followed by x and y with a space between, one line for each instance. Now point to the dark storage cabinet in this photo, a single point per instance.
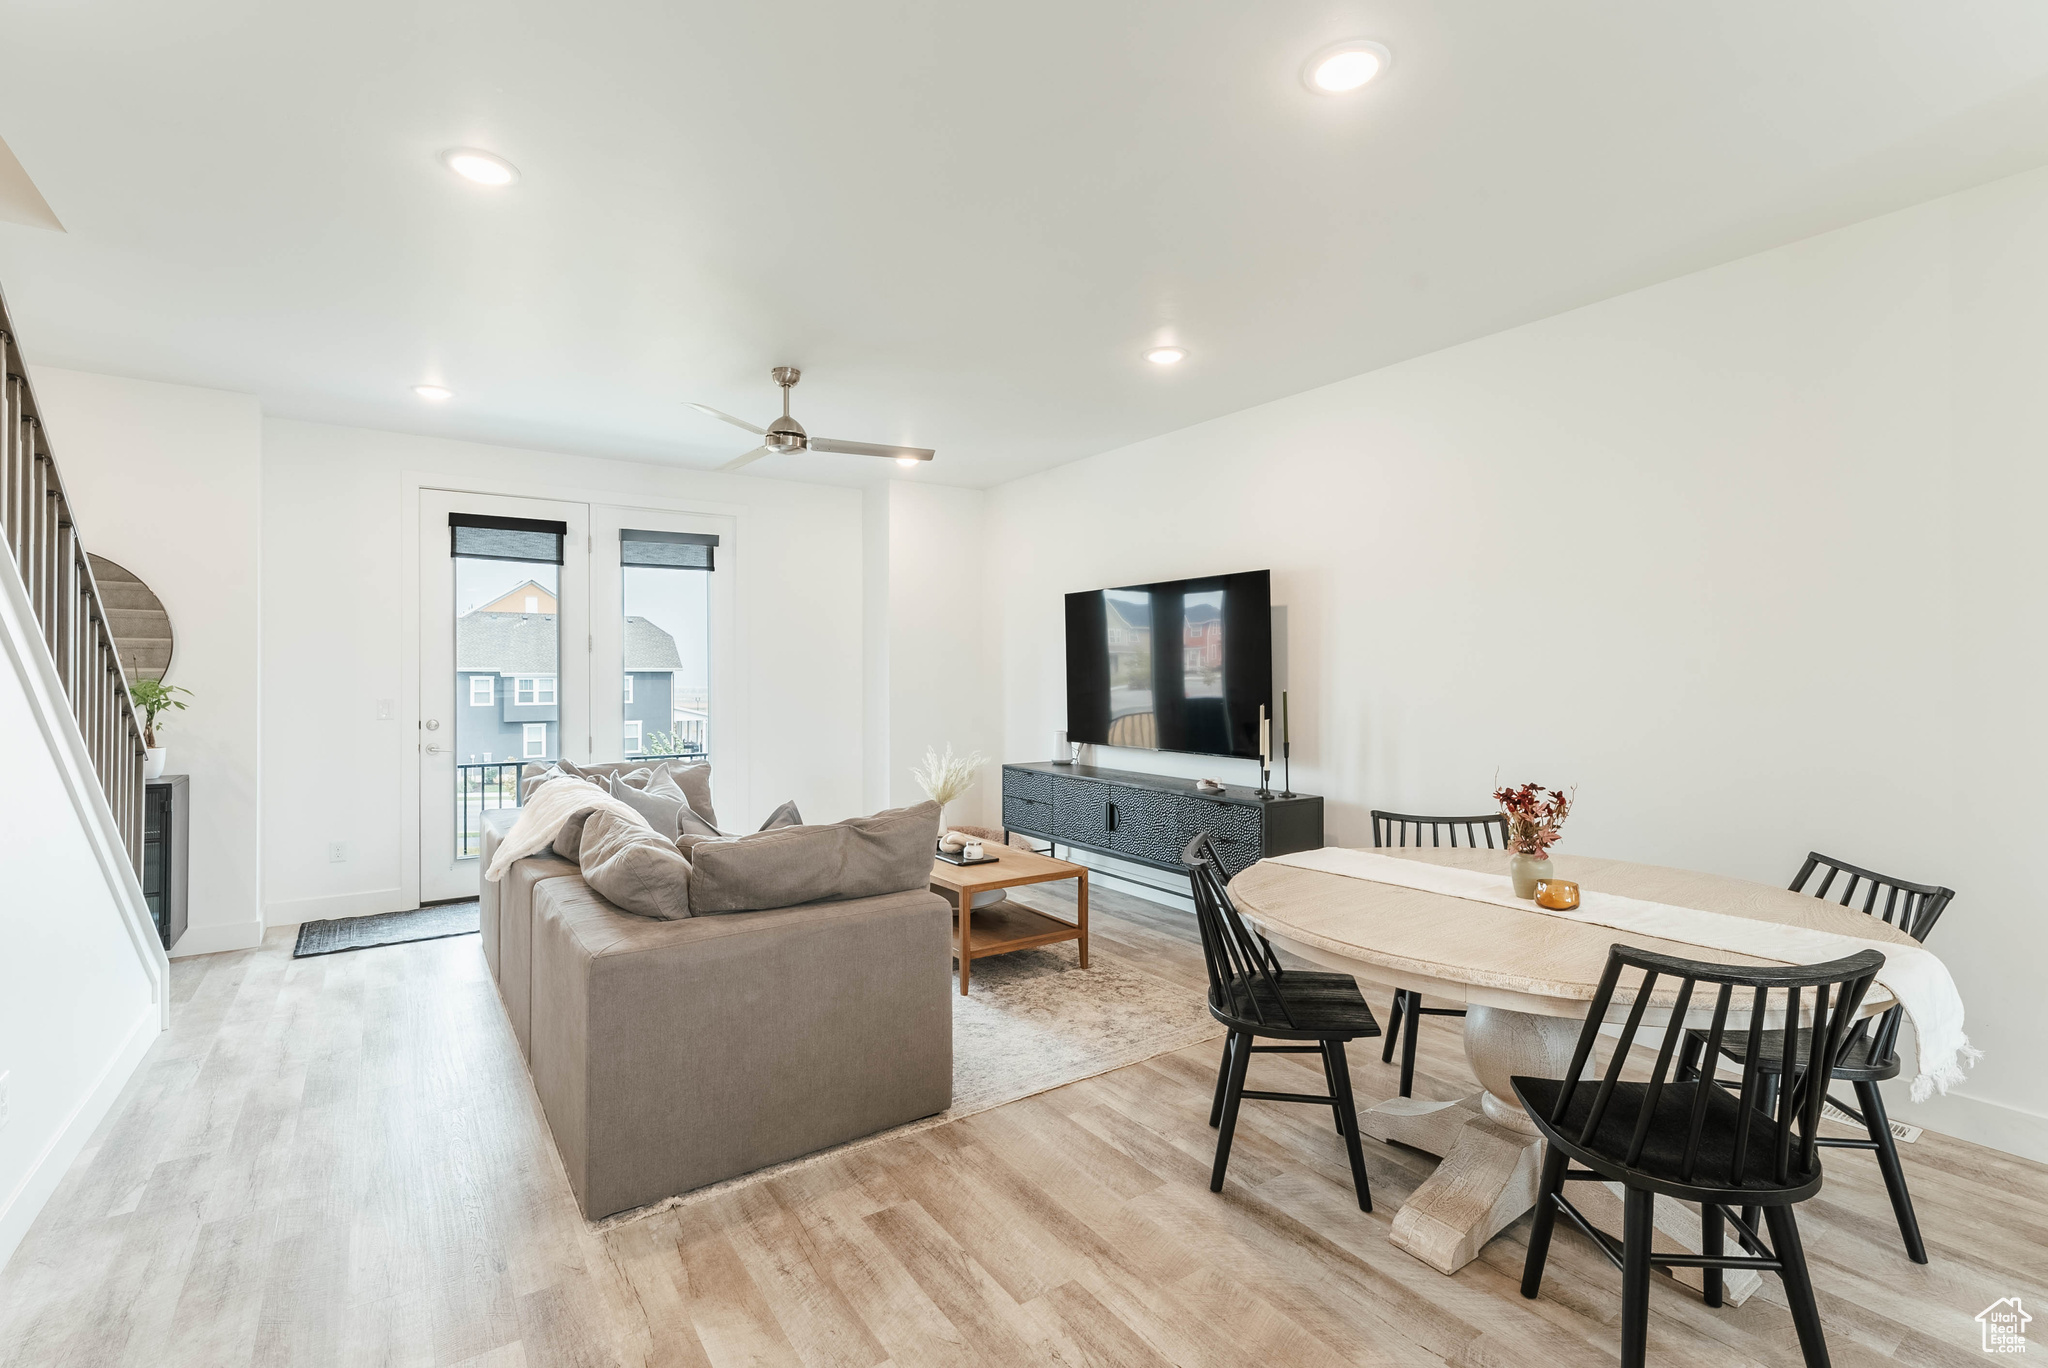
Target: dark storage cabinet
pixel 1149 819
pixel 166 839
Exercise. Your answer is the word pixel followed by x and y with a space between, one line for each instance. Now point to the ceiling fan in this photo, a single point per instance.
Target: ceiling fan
pixel 787 434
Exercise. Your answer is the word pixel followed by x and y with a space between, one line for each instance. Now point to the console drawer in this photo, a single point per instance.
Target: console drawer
pixel 1032 784
pixel 1027 816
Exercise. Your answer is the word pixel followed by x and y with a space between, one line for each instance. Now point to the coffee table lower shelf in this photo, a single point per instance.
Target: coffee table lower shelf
pixel 1005 927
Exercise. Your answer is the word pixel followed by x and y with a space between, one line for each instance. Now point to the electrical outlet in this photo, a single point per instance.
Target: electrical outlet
pixel 3 1100
pixel 386 709
pixel 337 852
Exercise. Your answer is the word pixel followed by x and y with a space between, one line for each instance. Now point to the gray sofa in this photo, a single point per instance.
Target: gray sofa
pixel 673 1054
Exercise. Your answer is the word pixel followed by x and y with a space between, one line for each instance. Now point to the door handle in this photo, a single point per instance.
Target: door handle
pixel 1109 816
pixel 433 750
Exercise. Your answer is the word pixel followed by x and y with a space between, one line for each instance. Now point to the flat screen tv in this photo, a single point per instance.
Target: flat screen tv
pixel 1183 665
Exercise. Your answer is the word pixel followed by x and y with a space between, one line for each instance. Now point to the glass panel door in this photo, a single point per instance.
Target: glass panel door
pixel 503 665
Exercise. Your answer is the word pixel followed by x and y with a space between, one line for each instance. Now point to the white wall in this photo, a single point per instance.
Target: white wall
pixel 1746 556
pixel 167 480
pixel 80 978
pixel 336 544
pixel 933 640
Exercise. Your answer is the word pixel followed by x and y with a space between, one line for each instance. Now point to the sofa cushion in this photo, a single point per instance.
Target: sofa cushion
pixel 862 857
pixel 661 807
pixel 784 816
pixel 636 869
pixel 691 784
pixel 568 842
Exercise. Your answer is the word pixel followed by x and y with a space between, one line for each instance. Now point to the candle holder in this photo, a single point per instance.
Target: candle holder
pixel 1265 784
pixel 1287 768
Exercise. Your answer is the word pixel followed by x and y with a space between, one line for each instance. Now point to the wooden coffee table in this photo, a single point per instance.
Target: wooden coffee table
pixel 1005 927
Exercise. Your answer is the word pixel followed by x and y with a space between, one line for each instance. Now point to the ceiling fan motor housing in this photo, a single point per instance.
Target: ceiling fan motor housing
pixel 785 434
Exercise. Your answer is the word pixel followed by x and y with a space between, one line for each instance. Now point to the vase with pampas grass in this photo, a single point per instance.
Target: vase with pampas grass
pixel 945 777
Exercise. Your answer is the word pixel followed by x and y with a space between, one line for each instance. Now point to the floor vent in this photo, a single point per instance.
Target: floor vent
pixel 1901 1132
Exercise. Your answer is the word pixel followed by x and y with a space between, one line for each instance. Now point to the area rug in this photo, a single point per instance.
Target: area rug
pixel 387 928
pixel 1032 1021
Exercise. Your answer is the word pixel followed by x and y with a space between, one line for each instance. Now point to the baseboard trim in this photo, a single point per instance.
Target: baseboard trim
pixel 368 903
pixel 216 937
pixel 26 1202
pixel 1995 1125
pixel 1106 871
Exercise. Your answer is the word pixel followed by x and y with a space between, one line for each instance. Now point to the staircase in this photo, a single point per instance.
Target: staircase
pixel 84 978
pixel 65 601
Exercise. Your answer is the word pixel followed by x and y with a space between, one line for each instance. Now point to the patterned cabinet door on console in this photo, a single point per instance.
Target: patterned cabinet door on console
pixel 1146 825
pixel 1233 826
pixel 1080 812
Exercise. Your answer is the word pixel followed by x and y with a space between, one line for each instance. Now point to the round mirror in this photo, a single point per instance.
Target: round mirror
pixel 136 616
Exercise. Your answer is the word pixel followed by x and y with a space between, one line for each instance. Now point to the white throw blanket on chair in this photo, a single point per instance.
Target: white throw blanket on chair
pixel 547 807
pixel 1915 977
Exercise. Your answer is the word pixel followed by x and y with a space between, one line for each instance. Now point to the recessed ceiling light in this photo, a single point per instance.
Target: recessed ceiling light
pixel 434 392
pixel 1167 356
pixel 908 462
pixel 1345 66
pixel 484 168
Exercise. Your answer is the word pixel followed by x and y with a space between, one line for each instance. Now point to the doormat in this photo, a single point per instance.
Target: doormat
pixel 387 928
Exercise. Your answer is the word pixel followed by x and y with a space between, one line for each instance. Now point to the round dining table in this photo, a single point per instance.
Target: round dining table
pixel 1525 979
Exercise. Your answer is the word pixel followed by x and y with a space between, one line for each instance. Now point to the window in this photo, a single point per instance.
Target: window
pixel 536 740
pixel 533 603
pixel 666 577
pixel 481 691
pixel 534 691
pixel 633 737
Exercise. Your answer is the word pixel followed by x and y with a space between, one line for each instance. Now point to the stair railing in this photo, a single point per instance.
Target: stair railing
pixel 42 541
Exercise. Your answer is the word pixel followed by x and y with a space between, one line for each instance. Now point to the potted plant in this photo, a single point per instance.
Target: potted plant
pixel 153 698
pixel 1535 817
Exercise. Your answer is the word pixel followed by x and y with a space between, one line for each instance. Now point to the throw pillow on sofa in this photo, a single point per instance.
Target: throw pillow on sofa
pixel 633 868
pixel 662 809
pixel 532 777
pixel 689 832
pixel 863 857
pixel 692 783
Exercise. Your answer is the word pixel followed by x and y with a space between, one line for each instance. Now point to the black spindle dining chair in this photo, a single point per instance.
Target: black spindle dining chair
pixel 1254 996
pixel 1689 1140
pixel 1399 829
pixel 1872 1054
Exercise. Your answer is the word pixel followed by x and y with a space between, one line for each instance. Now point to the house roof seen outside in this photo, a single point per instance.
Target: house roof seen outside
pixel 525 644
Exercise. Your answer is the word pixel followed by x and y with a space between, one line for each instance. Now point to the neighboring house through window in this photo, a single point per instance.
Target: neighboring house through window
pixel 534 691
pixel 536 740
pixel 633 737
pixel 481 692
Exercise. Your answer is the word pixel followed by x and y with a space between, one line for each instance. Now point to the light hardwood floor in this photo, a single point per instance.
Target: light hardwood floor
pixel 339 1160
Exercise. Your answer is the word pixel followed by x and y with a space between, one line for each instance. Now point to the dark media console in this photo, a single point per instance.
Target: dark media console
pixel 1149 819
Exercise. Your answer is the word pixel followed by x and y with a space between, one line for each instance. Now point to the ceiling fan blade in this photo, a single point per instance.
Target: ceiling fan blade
pixel 748 459
pixel 728 418
pixel 899 453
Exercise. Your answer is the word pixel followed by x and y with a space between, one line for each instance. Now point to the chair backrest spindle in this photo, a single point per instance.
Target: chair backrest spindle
pixel 1817 1026
pixel 1244 972
pixel 1401 829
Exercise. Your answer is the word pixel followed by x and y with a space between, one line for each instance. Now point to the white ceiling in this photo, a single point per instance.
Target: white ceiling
pixel 963 221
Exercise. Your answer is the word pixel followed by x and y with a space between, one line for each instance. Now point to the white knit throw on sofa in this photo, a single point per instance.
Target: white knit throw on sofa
pixel 547 807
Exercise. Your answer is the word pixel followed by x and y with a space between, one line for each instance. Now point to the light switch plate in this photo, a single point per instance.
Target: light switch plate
pixel 386 709
pixel 337 851
pixel 3 1099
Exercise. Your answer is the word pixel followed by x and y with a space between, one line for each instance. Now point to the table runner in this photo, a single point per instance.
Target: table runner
pixel 1917 978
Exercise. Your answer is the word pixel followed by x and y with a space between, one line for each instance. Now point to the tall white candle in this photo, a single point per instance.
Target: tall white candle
pixel 1265 736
